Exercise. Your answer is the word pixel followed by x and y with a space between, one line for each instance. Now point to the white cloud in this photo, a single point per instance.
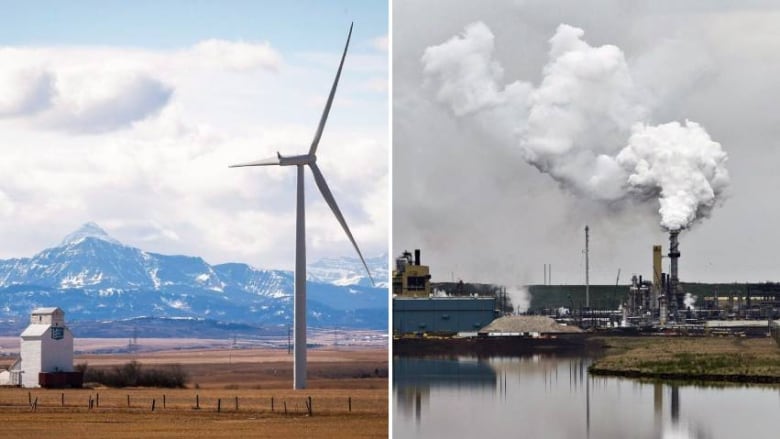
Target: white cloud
pixel 24 90
pixel 381 44
pixel 376 85
pixel 163 127
pixel 91 102
pixel 6 205
pixel 98 89
pixel 233 55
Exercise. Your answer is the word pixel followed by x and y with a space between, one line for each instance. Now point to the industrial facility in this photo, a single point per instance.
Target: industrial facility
pixel 659 302
pixel 46 353
pixel 664 301
pixel 417 311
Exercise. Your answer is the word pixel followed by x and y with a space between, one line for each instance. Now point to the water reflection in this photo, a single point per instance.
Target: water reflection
pixel 554 397
pixel 413 379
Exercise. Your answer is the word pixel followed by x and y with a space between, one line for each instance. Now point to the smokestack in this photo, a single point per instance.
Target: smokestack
pixel 674 280
pixel 417 256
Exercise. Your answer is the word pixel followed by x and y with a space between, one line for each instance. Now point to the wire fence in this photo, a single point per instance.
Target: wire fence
pixel 318 403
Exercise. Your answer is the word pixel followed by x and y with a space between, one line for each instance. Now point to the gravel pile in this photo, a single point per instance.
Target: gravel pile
pixel 540 324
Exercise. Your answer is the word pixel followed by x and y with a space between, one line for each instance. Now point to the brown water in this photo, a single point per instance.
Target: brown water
pixel 554 397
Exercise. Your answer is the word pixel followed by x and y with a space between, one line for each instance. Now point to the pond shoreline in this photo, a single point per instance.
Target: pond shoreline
pixel 492 346
pixel 702 359
pixel 739 378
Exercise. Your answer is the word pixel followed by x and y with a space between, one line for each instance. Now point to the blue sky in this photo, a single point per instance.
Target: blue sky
pixel 129 115
pixel 296 25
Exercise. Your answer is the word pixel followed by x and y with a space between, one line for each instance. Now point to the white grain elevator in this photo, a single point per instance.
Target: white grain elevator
pixel 46 348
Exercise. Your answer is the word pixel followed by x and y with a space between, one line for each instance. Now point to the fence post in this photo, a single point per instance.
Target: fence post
pixel 163 400
pixel 29 398
pixel 153 401
pixel 308 405
pixel 128 400
pixel 197 402
pixel 219 405
pixel 272 404
pixel 236 403
pixel 285 408
pixel 97 400
pixel 62 399
pixel 349 401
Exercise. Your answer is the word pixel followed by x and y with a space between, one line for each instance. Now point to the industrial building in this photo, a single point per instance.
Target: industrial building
pixel 416 311
pixel 440 315
pixel 410 278
pixel 666 300
pixel 46 353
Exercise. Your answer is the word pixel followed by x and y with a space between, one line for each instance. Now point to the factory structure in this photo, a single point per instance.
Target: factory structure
pixel 417 311
pixel 45 354
pixel 660 298
pixel 663 300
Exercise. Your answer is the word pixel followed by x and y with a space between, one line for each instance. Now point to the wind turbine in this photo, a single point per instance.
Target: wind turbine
pixel 310 160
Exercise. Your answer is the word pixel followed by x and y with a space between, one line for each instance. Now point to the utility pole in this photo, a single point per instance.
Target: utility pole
pixel 289 340
pixel 587 268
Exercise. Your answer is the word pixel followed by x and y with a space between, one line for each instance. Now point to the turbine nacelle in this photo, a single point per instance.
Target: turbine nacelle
pixel 280 160
pixel 305 159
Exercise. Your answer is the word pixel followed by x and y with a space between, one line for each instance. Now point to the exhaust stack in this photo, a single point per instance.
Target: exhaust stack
pixel 657 287
pixel 674 280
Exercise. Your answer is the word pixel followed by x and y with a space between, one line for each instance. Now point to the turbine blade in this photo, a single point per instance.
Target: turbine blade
pixel 318 134
pixel 328 196
pixel 265 162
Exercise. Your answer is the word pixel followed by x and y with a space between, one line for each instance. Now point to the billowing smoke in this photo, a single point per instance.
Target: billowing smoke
pixel 682 164
pixel 586 124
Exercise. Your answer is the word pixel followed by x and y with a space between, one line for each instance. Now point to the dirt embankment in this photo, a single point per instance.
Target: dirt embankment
pixel 733 359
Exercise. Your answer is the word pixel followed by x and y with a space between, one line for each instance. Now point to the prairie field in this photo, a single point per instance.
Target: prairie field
pixel 229 392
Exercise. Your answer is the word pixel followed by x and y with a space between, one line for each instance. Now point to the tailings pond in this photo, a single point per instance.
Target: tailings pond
pixel 554 397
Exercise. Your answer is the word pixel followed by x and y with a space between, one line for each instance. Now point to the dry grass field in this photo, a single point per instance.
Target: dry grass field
pixel 251 388
pixel 697 358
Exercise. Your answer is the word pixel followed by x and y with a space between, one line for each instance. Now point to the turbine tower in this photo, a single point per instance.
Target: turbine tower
pixel 310 160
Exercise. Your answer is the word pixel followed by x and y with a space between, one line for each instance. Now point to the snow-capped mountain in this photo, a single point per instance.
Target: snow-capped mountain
pixel 349 271
pixel 92 276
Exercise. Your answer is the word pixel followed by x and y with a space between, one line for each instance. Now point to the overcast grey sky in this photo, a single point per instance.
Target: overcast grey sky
pixel 463 193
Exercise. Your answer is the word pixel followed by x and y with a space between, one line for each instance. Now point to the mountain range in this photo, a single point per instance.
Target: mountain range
pixel 93 277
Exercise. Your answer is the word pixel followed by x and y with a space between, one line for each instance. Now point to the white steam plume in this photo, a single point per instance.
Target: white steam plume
pixel 680 161
pixel 520 297
pixel 690 301
pixel 585 124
